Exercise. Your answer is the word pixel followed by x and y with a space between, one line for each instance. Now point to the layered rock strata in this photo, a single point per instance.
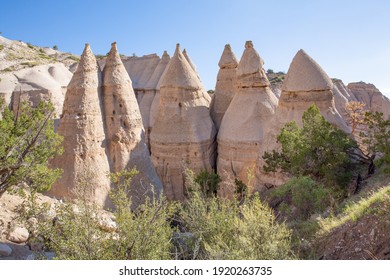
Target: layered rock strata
pixel 225 87
pixel 183 134
pixel 242 129
pixel 84 161
pixel 371 96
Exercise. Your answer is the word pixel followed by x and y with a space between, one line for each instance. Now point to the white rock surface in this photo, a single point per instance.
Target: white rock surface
pixel 18 234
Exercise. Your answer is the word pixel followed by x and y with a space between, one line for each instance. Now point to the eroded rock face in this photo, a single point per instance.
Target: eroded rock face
pixel 242 129
pixel 81 125
pixel 183 134
pixel 151 90
pixel 124 130
pixel 342 95
pixel 225 87
pixel 306 83
pixel 371 96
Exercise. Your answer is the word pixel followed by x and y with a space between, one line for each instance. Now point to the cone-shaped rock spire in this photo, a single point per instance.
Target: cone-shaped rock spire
pixel 242 129
pixel 183 134
pixel 250 69
pixel 189 60
pixel 306 83
pixel 124 130
pixel 305 74
pixel 81 124
pixel 228 58
pixel 225 87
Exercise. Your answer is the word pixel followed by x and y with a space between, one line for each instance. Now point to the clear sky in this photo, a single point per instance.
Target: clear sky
pixel 349 39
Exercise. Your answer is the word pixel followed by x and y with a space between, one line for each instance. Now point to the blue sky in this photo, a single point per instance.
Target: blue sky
pixel 349 39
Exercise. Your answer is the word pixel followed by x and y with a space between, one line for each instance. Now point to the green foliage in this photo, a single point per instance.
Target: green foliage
pixel 76 231
pixel 30 46
pixel 303 194
pixel 318 149
pixel 208 182
pixel 270 71
pixel 231 229
pixel 1 47
pixel 223 229
pixel 27 143
pixel 144 233
pixel 377 138
pixel 55 47
pixel 72 57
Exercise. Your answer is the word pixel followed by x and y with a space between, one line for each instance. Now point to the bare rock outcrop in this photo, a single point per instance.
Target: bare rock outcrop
pixel 306 83
pixel 242 129
pixel 342 95
pixel 150 92
pixel 183 133
pixel 371 96
pixel 140 70
pixel 124 130
pixel 225 87
pixel 42 83
pixel 81 125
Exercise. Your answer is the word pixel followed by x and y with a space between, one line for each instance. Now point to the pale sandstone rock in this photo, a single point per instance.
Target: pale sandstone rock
pixel 150 92
pixel 18 235
pixel 242 129
pixel 225 87
pixel 81 125
pixel 42 83
pixel 306 83
pixel 372 97
pixel 156 101
pixel 342 95
pixel 140 69
pixel 124 130
pixel 183 133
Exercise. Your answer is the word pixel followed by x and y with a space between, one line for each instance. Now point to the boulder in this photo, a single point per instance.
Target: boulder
pixel 5 250
pixel 183 134
pixel 18 234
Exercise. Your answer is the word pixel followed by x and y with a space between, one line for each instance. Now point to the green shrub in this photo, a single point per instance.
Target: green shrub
pixel 1 47
pixel 318 149
pixel 223 229
pixel 304 194
pixel 231 229
pixel 76 232
pixel 208 182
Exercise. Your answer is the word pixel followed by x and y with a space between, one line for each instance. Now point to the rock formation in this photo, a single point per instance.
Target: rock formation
pixel 124 130
pixel 371 96
pixel 342 95
pixel 140 70
pixel 150 92
pixel 81 125
pixel 225 87
pixel 306 83
pixel 155 107
pixel 242 129
pixel 183 133
pixel 42 83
